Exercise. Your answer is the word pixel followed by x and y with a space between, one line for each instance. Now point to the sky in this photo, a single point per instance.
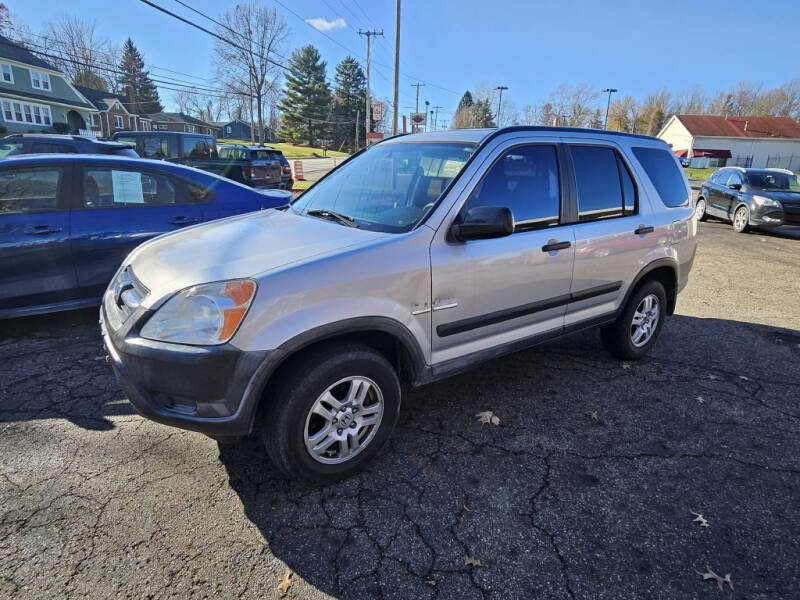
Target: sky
pixel 530 46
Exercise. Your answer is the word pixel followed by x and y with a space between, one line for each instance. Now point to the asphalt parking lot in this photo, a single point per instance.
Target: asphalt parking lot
pixel 585 489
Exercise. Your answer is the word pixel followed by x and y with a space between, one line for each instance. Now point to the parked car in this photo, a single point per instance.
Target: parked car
pixel 68 221
pixel 16 144
pixel 260 166
pixel 685 162
pixel 751 198
pixel 416 259
pixel 200 151
pixel 287 183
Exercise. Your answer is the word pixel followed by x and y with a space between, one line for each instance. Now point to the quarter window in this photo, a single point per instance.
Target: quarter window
pixel 605 187
pixel 525 180
pixel 663 171
pixel 29 190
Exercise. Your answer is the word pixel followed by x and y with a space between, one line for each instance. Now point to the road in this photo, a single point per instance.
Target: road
pixel 585 490
pixel 315 168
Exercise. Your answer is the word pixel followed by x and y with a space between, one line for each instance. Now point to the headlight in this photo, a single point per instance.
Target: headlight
pixel 206 314
pixel 762 201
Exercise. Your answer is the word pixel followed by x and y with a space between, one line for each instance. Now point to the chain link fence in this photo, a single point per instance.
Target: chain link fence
pixel 791 162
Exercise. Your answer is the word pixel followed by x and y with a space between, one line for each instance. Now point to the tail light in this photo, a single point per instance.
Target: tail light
pixel 286 170
pixel 249 172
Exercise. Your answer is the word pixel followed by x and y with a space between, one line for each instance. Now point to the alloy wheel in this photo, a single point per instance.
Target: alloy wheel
pixel 700 209
pixel 645 320
pixel 343 420
pixel 740 219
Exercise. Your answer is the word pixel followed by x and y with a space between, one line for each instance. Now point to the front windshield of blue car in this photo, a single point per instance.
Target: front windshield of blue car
pixel 389 187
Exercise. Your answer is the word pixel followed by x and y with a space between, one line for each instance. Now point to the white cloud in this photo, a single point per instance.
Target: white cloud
pixel 321 24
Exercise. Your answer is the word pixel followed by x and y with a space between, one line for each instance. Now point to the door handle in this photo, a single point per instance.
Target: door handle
pixel 42 230
pixel 553 246
pixel 642 230
pixel 184 221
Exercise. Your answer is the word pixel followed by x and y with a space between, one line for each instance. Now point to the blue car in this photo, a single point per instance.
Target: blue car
pixel 68 221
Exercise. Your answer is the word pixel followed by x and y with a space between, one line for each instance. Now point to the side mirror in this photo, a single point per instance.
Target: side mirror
pixel 735 186
pixel 484 222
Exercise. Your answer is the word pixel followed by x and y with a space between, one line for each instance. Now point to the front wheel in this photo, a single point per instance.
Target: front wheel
pixel 332 411
pixel 741 220
pixel 700 209
pixel 637 328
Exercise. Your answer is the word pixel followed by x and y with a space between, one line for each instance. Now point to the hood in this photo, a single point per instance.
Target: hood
pixel 241 246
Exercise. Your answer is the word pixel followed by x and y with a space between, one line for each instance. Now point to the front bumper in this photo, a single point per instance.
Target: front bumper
pixel 210 389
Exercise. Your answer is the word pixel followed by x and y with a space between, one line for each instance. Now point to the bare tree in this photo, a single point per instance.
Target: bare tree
pixel 574 104
pixel 86 58
pixel 693 101
pixel 258 34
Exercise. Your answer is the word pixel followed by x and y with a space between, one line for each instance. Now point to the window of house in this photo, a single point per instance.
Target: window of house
pixel 524 179
pixel 145 125
pixel 605 187
pixel 118 122
pixel 25 112
pixel 228 129
pixel 95 119
pixel 162 126
pixel 665 175
pixel 40 80
pixel 7 73
pixel 29 190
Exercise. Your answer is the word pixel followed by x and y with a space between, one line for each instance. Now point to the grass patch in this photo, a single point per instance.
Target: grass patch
pixel 289 150
pixel 302 184
pixel 700 173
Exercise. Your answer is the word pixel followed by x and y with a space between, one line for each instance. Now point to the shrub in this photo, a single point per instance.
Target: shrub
pixel 61 127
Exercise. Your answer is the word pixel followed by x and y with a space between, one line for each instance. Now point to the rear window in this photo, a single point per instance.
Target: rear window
pixel 265 155
pixel 665 175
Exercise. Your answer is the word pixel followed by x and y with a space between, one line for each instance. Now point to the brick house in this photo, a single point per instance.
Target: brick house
pixel 181 122
pixel 112 114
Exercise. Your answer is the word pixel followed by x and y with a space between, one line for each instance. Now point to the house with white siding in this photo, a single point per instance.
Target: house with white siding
pixel 716 141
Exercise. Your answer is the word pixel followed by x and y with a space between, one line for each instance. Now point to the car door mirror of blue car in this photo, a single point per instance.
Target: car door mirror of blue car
pixel 483 222
pixel 735 186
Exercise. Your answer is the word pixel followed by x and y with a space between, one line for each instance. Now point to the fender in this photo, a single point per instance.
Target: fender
pixel 418 367
pixel 649 268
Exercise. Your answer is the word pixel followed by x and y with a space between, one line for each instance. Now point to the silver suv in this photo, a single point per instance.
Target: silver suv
pixel 413 260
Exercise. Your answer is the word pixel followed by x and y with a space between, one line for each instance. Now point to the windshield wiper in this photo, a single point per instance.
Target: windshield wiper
pixel 332 216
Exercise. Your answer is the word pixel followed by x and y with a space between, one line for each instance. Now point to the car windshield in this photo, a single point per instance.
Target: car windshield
pixel 774 181
pixel 390 187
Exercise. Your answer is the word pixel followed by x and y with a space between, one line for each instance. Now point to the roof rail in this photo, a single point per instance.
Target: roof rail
pixel 514 128
pixel 787 171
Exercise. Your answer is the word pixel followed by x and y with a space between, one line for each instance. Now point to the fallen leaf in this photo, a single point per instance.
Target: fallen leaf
pixel 700 519
pixel 721 581
pixel 430 581
pixel 472 562
pixel 286 582
pixel 626 365
pixel 488 416
pixel 743 378
pixel 700 399
pixel 593 414
pixel 713 377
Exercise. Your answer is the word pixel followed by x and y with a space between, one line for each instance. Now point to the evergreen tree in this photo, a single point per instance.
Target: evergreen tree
pixel 349 98
pixel 307 98
pixel 466 101
pixel 482 114
pixel 145 93
pixel 597 119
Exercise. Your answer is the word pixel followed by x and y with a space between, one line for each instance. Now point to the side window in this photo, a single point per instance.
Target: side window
pixel 720 177
pixel 195 147
pixel 664 174
pixel 605 187
pixel 109 188
pixel 48 147
pixel 735 179
pixel 155 147
pixel 126 139
pixel 29 190
pixel 524 179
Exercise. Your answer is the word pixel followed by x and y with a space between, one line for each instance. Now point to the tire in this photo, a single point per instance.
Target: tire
pixel 741 220
pixel 700 209
pixel 290 418
pixel 618 338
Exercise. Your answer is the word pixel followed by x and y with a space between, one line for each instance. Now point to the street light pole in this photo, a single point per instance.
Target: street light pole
pixel 396 65
pixel 500 101
pixel 608 104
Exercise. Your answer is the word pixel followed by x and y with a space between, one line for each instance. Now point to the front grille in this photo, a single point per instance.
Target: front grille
pixel 791 214
pixel 124 296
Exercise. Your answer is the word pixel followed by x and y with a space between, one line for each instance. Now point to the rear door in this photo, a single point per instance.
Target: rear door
pixel 35 261
pixel 613 234
pixel 715 186
pixel 117 207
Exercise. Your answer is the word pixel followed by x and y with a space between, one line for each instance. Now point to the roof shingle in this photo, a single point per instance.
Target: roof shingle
pixel 740 127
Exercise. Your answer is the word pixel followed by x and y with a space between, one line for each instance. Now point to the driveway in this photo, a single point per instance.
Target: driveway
pixel 588 488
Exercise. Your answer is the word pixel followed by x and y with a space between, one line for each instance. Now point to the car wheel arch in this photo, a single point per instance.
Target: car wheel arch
pixel 664 270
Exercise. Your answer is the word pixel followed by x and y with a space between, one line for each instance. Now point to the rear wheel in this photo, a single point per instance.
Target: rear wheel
pixel 637 328
pixel 332 410
pixel 700 209
pixel 741 220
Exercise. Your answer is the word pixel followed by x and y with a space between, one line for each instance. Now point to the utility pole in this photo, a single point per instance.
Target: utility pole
pixel 500 101
pixel 396 65
pixel 436 118
pixel 417 85
pixel 608 104
pixel 369 33
pixel 355 148
pixel 427 126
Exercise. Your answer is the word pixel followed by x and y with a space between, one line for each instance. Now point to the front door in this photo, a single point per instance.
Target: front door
pixel 492 293
pixel 35 262
pixel 118 208
pixel 729 196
